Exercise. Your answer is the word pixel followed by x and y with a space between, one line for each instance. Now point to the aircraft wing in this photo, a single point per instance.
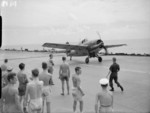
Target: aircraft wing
pixel 65 46
pixel 117 45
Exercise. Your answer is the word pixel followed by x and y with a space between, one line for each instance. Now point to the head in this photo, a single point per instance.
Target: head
pixel 104 83
pixel 9 69
pixel 114 59
pixel 21 66
pixel 6 60
pixel 12 79
pixel 64 58
pixel 44 65
pixel 51 56
pixel 78 70
pixel 35 73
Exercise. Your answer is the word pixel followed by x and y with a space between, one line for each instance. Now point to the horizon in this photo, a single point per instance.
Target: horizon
pixel 140 46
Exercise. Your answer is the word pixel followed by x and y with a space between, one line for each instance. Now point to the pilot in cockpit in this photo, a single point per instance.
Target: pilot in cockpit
pixel 84 40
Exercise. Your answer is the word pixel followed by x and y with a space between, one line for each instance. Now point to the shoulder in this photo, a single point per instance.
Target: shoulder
pixel 41 82
pixel 30 84
pixel 18 73
pixel 15 90
pixel 49 74
pixel 111 65
pixel 60 65
pixel 4 89
pixel 41 74
pixel 66 63
pixel 74 76
pixel 4 73
pixel 117 64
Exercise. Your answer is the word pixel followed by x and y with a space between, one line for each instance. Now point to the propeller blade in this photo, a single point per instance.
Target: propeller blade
pixel 106 51
pixel 99 34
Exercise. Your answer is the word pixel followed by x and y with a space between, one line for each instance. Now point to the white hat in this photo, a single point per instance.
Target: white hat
pixel 103 81
pixel 9 68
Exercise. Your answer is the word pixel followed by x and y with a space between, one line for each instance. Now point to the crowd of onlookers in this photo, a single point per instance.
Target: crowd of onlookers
pixel 31 95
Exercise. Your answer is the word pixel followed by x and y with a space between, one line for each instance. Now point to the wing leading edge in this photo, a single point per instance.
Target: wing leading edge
pixel 65 46
pixel 117 45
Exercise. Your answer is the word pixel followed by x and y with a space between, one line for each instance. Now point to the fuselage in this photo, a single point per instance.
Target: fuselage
pixel 92 48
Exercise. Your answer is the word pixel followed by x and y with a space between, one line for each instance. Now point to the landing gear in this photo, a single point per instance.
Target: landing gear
pixel 87 60
pixel 70 58
pixel 100 59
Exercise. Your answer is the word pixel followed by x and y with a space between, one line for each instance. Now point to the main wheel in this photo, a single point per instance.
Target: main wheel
pixel 87 60
pixel 70 58
pixel 100 59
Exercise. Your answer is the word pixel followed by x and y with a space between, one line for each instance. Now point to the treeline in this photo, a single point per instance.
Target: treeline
pixel 127 54
pixel 36 50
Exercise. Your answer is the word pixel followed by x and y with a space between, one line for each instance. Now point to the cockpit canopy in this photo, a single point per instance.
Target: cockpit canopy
pixel 84 40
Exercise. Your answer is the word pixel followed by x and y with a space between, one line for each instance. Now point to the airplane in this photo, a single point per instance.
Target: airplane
pixel 84 48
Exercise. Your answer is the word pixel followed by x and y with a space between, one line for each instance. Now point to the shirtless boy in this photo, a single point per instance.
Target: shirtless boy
pixel 34 91
pixel 45 77
pixel 64 74
pixel 77 91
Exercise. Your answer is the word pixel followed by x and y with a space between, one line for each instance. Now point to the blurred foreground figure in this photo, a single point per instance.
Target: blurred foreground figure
pixel 104 98
pixel 10 96
pixel 34 91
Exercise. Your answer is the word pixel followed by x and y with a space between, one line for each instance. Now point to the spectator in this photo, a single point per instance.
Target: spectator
pixel 45 77
pixel 77 91
pixel 34 91
pixel 105 98
pixel 64 74
pixel 10 96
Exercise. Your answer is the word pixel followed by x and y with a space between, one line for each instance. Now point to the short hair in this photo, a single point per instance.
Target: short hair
pixel 10 76
pixel 104 86
pixel 114 58
pixel 35 72
pixel 21 66
pixel 44 65
pixel 6 60
pixel 63 58
pixel 77 68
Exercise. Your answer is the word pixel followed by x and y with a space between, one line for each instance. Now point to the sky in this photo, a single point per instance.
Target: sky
pixel 59 21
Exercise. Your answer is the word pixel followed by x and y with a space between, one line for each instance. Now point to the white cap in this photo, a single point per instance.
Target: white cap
pixel 9 68
pixel 103 81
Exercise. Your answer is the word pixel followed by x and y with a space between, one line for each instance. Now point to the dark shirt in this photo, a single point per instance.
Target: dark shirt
pixel 114 68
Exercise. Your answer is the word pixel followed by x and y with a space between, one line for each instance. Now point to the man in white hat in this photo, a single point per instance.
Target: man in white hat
pixel 105 98
pixel 4 79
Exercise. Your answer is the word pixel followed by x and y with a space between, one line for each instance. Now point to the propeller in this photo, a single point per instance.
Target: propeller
pixel 98 34
pixel 102 46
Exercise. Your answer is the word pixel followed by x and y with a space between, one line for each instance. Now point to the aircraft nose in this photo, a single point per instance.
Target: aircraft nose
pixel 99 41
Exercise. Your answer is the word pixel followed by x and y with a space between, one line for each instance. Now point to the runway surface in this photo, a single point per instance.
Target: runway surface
pixel 134 76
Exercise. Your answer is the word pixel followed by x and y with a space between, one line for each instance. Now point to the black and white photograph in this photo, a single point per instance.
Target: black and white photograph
pixel 75 56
